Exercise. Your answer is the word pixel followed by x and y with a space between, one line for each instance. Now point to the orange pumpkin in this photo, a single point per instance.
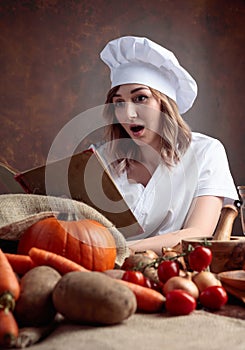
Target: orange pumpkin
pixel 86 242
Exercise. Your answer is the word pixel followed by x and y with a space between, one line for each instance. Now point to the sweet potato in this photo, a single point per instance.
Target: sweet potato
pixel 93 298
pixel 35 305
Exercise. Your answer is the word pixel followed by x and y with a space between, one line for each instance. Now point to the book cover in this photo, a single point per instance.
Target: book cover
pixel 8 183
pixel 82 177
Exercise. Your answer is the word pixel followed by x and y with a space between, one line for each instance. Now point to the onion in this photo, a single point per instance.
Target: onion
pixel 149 253
pixel 185 283
pixel 140 262
pixel 136 262
pixel 170 253
pixel 205 279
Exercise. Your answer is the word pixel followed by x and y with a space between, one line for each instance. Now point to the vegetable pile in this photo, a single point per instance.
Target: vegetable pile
pixel 40 282
pixel 184 288
pixel 87 242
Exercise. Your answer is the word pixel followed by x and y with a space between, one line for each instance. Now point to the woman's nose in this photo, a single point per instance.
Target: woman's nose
pixel 131 110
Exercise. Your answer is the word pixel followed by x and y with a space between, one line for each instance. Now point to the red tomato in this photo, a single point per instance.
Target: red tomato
pixel 167 269
pixel 158 286
pixel 147 282
pixel 200 258
pixel 135 277
pixel 178 302
pixel 213 297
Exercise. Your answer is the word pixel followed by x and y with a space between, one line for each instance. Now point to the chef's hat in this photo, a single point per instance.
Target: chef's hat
pixel 141 61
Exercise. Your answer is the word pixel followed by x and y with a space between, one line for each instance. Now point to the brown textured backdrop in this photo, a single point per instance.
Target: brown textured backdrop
pixel 50 69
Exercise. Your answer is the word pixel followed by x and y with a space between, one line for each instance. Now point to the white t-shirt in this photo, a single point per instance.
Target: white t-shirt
pixel 163 204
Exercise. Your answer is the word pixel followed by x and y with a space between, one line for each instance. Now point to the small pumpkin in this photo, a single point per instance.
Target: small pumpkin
pixel 87 242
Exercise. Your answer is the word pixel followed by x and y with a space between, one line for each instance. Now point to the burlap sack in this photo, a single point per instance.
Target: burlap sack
pixel 20 211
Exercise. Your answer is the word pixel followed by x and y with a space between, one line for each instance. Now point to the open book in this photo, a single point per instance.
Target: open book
pixel 82 177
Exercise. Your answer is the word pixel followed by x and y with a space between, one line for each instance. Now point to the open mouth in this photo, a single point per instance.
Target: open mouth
pixel 136 128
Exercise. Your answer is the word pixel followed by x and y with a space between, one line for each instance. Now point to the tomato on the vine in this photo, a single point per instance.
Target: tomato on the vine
pixel 167 269
pixel 133 276
pixel 179 302
pixel 158 286
pixel 213 297
pixel 200 258
pixel 147 282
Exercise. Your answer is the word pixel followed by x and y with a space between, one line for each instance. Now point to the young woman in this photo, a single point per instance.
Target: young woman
pixel 174 180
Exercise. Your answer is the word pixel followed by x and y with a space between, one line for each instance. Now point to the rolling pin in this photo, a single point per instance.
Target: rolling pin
pixel 224 227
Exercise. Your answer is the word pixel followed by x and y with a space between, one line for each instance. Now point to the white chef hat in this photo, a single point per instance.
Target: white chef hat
pixel 141 61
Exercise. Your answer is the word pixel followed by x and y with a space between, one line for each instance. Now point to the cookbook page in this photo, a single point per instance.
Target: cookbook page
pixel 82 177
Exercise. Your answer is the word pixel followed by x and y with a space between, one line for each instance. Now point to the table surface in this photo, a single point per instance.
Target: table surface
pixel 200 330
pixel 234 308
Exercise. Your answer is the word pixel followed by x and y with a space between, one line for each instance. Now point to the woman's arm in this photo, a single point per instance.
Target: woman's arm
pixel 201 221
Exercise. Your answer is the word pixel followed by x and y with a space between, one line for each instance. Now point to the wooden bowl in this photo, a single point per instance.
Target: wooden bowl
pixel 227 255
pixel 234 278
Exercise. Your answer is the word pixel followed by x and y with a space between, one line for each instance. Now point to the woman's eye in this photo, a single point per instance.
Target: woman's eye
pixel 119 104
pixel 140 98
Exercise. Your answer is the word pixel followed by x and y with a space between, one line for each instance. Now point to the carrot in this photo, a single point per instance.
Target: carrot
pixel 20 263
pixel 8 328
pixel 58 262
pixel 148 300
pixel 9 284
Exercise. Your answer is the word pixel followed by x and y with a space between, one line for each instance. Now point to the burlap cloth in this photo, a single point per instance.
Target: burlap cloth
pixel 197 331
pixel 19 211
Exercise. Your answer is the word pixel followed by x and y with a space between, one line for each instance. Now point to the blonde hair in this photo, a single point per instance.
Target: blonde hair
pixel 175 136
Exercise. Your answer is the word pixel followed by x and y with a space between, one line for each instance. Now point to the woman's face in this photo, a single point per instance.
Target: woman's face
pixel 138 111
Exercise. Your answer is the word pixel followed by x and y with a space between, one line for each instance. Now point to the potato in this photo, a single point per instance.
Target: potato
pixel 115 273
pixel 93 298
pixel 35 305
